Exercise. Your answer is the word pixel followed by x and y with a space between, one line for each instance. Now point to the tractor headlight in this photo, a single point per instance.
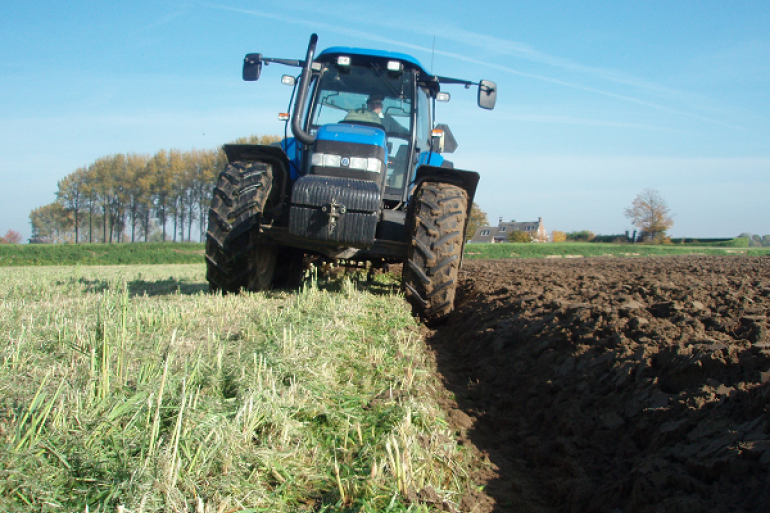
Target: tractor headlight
pixel 325 160
pixel 372 165
pixel 332 160
pixel 357 163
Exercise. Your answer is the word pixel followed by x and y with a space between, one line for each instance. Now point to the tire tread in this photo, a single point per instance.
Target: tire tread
pixel 436 227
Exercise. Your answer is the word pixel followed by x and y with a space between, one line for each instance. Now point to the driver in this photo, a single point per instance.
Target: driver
pixel 373 114
pixel 374 104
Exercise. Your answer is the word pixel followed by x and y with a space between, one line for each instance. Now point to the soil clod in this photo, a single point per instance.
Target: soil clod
pixel 599 385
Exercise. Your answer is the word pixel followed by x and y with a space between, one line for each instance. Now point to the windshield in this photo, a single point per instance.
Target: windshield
pixel 366 95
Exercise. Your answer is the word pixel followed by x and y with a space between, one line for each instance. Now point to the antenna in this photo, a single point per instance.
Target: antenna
pixel 432 54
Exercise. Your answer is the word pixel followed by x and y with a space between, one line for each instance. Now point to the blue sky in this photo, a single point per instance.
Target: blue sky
pixel 597 100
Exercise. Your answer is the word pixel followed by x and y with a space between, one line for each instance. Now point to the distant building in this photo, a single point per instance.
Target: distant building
pixel 499 233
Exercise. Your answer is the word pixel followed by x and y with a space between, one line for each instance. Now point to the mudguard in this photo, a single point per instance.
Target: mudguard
pixel 468 180
pixel 270 154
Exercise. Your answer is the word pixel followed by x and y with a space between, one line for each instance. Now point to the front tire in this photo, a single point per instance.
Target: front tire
pixel 234 258
pixel 437 228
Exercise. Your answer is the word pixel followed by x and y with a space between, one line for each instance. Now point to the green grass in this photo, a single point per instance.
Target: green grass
pixel 594 249
pixel 191 253
pixel 738 242
pixel 101 254
pixel 130 386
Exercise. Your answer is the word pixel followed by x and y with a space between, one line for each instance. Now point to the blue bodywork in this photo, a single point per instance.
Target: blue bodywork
pixel 430 159
pixel 289 146
pixel 352 134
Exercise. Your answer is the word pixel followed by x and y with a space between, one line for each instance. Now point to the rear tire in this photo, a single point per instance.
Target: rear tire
pixel 437 228
pixel 234 258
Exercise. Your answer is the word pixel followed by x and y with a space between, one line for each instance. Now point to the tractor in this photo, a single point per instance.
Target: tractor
pixel 362 182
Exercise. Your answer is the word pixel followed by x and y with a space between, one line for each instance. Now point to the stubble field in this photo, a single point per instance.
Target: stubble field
pixel 132 386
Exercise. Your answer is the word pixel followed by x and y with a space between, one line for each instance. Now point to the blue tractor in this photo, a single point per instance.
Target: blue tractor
pixel 362 182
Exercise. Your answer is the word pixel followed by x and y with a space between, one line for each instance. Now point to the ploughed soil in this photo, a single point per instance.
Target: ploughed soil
pixel 612 384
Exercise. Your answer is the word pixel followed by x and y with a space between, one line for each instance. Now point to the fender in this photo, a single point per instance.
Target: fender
pixel 468 180
pixel 266 153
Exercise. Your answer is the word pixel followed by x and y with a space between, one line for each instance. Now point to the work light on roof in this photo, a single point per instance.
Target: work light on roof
pixel 288 80
pixel 343 60
pixel 395 66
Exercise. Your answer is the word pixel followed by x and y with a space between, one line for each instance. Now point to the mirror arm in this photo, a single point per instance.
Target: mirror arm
pixel 448 80
pixel 286 62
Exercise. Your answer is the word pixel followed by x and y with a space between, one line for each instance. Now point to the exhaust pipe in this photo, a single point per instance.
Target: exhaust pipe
pixel 299 104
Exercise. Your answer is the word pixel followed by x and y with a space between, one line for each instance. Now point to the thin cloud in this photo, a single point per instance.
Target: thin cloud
pixel 163 20
pixel 492 44
pixel 602 92
pixel 486 42
pixel 569 120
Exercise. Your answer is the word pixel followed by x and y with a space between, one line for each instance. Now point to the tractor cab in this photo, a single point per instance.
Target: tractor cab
pixel 352 93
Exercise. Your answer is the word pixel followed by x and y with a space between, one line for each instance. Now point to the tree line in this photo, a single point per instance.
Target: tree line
pixel 756 241
pixel 135 197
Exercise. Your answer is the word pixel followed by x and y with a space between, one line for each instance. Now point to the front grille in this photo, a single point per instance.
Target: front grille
pixel 352 209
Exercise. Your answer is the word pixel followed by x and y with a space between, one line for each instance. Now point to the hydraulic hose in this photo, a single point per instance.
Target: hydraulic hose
pixel 296 126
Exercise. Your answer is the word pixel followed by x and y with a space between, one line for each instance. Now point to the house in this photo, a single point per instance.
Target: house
pixel 500 232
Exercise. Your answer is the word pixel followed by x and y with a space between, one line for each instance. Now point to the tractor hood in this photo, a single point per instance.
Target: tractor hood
pixel 353 134
pixel 350 151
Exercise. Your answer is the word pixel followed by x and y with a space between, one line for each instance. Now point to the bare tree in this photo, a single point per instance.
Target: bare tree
pixel 161 188
pixel 650 213
pixel 71 195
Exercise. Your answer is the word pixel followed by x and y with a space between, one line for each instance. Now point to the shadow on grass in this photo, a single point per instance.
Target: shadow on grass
pixel 140 287
pixel 165 287
pixel 333 283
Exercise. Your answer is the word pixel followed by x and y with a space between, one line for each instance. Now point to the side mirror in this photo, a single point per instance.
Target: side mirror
pixel 252 67
pixel 487 94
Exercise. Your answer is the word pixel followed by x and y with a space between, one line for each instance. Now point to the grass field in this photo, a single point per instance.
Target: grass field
pixel 130 386
pixel 191 253
pixel 101 254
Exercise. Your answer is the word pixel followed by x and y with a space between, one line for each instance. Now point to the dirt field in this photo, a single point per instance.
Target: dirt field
pixel 612 385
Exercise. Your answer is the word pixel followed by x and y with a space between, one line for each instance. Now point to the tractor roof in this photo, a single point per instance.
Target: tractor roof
pixel 329 53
